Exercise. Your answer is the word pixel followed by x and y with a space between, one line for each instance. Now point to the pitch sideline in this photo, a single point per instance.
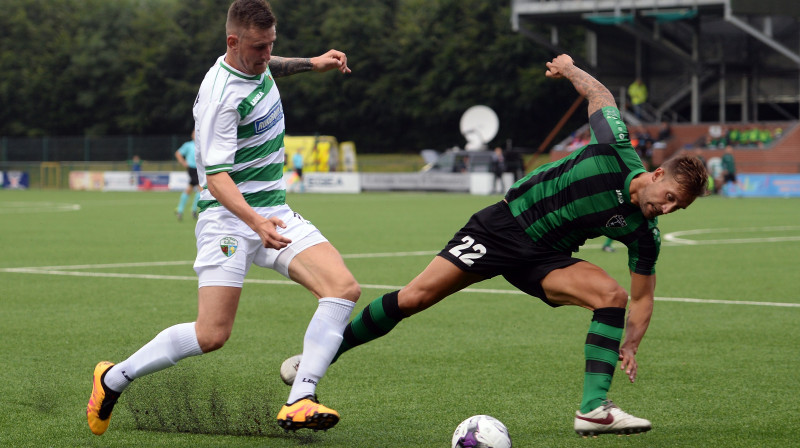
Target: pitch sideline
pixel 674 237
pixel 363 285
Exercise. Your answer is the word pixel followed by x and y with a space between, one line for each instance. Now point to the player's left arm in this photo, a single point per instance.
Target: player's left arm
pixel 639 312
pixel 332 59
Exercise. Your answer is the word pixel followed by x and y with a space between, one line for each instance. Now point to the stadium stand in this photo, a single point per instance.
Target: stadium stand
pixel 710 66
pixel 701 60
pixel 782 155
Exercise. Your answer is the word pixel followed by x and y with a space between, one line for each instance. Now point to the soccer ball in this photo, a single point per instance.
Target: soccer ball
pixel 481 431
pixel 289 369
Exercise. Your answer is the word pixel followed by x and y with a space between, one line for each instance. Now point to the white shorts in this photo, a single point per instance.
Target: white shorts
pixel 226 247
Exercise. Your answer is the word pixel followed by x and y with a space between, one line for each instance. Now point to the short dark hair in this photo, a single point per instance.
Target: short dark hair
pixel 244 14
pixel 690 174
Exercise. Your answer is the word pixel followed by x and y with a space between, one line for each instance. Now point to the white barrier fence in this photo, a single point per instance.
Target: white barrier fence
pixel 336 182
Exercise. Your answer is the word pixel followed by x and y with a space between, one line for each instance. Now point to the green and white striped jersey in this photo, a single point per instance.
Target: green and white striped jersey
pixel 587 194
pixel 239 128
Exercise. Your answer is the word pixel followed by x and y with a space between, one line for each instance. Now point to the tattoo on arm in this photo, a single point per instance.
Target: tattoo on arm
pixel 596 93
pixel 281 67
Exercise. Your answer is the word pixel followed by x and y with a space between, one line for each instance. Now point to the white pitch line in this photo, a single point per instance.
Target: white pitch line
pixel 97 274
pixel 36 207
pixel 674 237
pixel 113 265
pixel 363 286
pixel 391 254
pixel 728 302
pixel 777 239
pixel 180 263
pixel 669 238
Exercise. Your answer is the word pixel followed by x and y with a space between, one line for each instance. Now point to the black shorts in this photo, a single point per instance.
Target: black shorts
pixel 193 180
pixel 493 243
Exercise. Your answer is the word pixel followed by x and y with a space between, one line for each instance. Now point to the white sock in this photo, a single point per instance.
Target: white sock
pixel 322 340
pixel 165 350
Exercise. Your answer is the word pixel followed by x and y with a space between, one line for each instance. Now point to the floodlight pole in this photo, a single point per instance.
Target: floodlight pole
pixel 555 130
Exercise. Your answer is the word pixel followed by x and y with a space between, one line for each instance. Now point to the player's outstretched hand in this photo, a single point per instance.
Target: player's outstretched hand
pixel 627 358
pixel 332 59
pixel 558 66
pixel 270 236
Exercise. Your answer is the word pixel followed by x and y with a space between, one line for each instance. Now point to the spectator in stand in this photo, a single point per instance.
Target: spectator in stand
pixel 728 171
pixel 461 164
pixel 748 136
pixel 646 154
pixel 642 142
pixel 640 134
pixel 578 141
pixel 732 137
pixel 136 163
pixel 723 141
pixel 698 152
pixel 764 137
pixel 498 168
pixel 753 136
pixel 665 132
pixel 638 93
pixel 717 137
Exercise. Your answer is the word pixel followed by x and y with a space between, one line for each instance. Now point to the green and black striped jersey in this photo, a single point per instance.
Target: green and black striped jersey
pixel 587 194
pixel 239 129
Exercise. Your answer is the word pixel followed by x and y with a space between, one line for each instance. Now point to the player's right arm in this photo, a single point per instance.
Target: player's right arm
pixel 217 142
pixel 179 157
pixel 224 190
pixel 640 311
pixel 596 93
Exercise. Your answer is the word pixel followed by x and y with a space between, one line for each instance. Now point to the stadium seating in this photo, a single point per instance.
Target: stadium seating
pixel 782 155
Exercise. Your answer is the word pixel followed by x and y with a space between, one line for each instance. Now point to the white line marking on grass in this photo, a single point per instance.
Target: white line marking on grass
pixel 114 265
pixel 662 299
pixel 728 302
pixel 98 274
pixel 47 271
pixel 390 254
pixel 674 237
pixel 36 207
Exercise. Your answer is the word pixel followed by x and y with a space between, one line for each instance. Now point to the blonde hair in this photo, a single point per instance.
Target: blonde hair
pixel 690 174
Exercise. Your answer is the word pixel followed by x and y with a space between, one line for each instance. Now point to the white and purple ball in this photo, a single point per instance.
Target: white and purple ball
pixel 481 431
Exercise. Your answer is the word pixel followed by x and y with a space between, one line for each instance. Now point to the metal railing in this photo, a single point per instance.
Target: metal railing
pixel 90 149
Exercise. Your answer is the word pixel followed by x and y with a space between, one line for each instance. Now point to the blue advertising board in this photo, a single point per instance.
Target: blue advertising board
pixel 765 185
pixel 15 180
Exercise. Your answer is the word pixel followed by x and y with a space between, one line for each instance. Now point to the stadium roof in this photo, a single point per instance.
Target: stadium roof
pixel 699 41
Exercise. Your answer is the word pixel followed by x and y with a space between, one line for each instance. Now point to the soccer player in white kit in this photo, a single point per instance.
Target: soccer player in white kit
pixel 244 220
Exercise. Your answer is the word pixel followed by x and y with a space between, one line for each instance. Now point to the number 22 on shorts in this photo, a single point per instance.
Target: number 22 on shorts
pixel 478 250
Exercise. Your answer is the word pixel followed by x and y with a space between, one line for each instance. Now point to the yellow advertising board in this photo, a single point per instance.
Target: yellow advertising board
pixel 321 153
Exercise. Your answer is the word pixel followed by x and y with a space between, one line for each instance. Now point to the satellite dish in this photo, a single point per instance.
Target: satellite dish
pixel 479 126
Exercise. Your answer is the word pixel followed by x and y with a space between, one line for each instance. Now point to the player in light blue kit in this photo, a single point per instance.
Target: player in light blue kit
pixel 185 156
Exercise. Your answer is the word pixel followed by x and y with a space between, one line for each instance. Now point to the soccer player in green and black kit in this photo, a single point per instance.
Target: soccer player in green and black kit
pixel 601 189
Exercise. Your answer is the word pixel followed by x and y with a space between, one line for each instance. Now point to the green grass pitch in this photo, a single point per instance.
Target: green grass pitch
pixel 88 276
